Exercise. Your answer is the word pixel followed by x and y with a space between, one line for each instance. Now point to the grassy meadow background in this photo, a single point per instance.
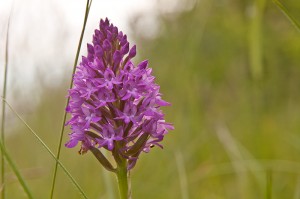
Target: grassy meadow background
pixel 230 68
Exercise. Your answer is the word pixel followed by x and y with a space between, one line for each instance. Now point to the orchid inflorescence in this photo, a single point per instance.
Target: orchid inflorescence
pixel 113 103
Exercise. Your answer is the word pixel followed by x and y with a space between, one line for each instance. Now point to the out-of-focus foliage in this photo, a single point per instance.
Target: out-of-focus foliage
pixel 232 127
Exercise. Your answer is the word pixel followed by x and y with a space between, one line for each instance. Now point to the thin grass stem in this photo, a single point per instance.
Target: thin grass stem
pixel 182 175
pixel 87 10
pixel 238 153
pixel 255 45
pixel 49 151
pixel 3 112
pixel 15 170
pixel 287 14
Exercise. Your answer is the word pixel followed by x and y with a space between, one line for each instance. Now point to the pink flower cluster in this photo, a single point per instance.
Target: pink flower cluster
pixel 113 103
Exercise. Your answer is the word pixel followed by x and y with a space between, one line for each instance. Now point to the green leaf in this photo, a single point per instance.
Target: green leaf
pixel 102 159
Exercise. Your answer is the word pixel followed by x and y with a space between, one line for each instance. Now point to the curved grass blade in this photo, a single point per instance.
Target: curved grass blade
pixel 4 153
pixel 15 170
pixel 287 14
pixel 49 151
pixel 238 153
pixel 87 10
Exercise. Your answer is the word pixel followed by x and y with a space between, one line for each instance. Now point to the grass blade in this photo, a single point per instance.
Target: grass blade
pixel 87 10
pixel 182 175
pixel 3 112
pixel 287 14
pixel 49 151
pixel 4 154
pixel 255 40
pixel 15 170
pixel 238 153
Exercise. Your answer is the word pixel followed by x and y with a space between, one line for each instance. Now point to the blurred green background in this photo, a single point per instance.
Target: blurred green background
pixel 231 70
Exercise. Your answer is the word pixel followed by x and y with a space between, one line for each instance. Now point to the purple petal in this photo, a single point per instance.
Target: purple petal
pixel 132 52
pixel 71 143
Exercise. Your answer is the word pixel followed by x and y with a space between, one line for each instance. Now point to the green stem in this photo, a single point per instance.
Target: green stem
pixel 3 113
pixel 123 180
pixel 287 14
pixel 255 34
pixel 15 170
pixel 87 9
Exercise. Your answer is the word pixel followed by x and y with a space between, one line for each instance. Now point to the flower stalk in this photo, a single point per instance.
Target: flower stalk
pixel 123 180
